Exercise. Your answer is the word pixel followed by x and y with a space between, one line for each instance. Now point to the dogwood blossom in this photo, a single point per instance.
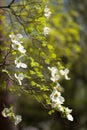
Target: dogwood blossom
pixel 47 12
pixel 53 70
pixel 16 42
pixel 19 64
pixel 65 73
pixel 6 112
pixel 56 97
pixel 17 46
pixel 18 119
pixel 46 31
pixel 56 100
pixel 54 74
pixel 15 38
pixel 57 75
pixel 68 115
pixel 19 77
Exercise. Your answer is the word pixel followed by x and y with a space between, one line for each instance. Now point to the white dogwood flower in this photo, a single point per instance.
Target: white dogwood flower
pixel 54 74
pixel 16 37
pixel 19 77
pixel 18 119
pixel 47 12
pixel 57 100
pixel 65 73
pixel 58 74
pixel 6 112
pixel 56 97
pixel 17 46
pixel 46 31
pixel 19 64
pixel 16 42
pixel 68 115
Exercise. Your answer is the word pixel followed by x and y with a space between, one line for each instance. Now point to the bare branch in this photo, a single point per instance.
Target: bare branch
pixel 7 6
pixel 11 3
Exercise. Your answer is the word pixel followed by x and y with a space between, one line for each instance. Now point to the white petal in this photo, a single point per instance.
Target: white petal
pixel 18 119
pixel 5 112
pixel 16 76
pixel 62 72
pixel 67 110
pixel 61 99
pixel 66 77
pixel 12 36
pixel 18 65
pixel 46 31
pixel 70 117
pixel 21 76
pixel 23 65
pixel 21 49
pixel 19 36
pixel 16 45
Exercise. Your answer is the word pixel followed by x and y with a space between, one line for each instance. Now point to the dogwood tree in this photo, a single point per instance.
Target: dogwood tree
pixel 28 57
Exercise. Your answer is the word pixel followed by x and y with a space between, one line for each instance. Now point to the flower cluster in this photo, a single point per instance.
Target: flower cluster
pixel 56 74
pixel 56 99
pixel 8 112
pixel 17 45
pixel 47 14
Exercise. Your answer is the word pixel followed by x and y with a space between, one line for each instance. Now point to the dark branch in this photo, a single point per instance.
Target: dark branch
pixel 8 6
pixel 1 7
pixel 11 3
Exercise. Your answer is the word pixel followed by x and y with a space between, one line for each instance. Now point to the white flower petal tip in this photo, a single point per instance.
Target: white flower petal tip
pixel 70 117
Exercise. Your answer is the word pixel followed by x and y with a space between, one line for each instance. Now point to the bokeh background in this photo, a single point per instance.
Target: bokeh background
pixel 69 34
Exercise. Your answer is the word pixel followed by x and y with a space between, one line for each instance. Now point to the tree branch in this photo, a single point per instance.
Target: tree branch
pixel 8 6
pixel 11 3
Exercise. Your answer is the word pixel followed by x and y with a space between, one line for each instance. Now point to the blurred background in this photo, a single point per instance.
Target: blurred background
pixel 68 35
